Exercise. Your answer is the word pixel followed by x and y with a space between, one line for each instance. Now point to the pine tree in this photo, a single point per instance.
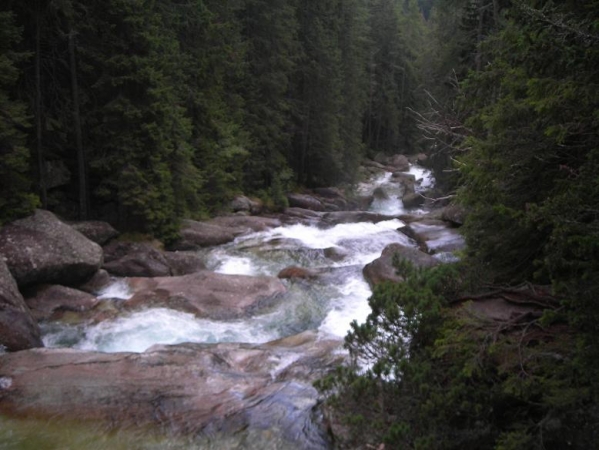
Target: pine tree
pixel 16 199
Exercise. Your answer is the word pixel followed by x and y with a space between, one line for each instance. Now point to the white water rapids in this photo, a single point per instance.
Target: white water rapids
pixel 329 304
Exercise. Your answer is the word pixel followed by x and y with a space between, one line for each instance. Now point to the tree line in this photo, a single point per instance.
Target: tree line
pixel 141 112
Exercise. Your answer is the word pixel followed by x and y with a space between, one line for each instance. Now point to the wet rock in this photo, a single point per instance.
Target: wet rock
pixel 456 214
pixel 96 231
pixel 188 388
pixel 18 329
pixel 252 223
pixel 434 236
pixel 207 294
pixel 336 218
pixel 45 301
pixel 380 194
pixel 297 272
pixel 42 249
pixel 407 180
pixel 419 158
pixel 377 166
pixel 184 263
pixel 195 235
pixel 398 163
pixel 335 253
pixel 382 269
pixel 301 215
pixel 305 201
pixel 412 200
pixel 96 283
pixel 125 259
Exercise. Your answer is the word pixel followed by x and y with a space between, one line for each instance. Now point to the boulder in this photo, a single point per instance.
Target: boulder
pixel 96 231
pixel 407 180
pixel 455 214
pixel 127 259
pixel 300 215
pixel 305 201
pixel 207 294
pixel 48 301
pixel 380 194
pixel 243 204
pixel 195 235
pixel 398 163
pixel 190 389
pixel 252 223
pixel 434 236
pixel 96 283
pixel 294 272
pixel 419 158
pixel 18 329
pixel 382 269
pixel 42 249
pixel 336 218
pixel 184 263
pixel 412 200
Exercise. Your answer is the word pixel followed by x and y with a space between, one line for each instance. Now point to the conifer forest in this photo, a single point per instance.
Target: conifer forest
pixel 143 113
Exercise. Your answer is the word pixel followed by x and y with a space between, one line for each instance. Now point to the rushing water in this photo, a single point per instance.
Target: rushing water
pixel 328 304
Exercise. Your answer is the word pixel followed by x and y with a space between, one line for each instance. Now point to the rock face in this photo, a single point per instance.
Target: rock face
pixel 42 249
pixel 18 329
pixel 188 388
pixel 336 218
pixel 207 294
pixel 382 269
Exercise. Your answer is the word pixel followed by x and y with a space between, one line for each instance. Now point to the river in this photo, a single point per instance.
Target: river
pixel 327 305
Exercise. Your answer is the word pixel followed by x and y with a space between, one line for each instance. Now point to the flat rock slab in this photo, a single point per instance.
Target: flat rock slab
pixel 187 388
pixel 434 236
pixel 207 294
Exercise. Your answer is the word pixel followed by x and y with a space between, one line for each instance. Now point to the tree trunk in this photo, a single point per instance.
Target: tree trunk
pixel 41 168
pixel 81 163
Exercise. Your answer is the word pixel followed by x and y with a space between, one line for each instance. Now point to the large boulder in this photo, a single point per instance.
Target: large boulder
pixel 193 389
pixel 382 268
pixel 407 180
pixel 195 235
pixel 42 249
pixel 49 301
pixel 305 201
pixel 95 230
pixel 207 294
pixel 128 259
pixel 243 204
pixel 18 329
pixel 398 163
pixel 184 263
pixel 455 214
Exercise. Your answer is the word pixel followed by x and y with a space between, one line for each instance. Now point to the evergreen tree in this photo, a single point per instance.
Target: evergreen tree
pixel 16 199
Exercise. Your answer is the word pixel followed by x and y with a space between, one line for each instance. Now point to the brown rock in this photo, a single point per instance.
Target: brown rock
pixel 434 236
pixel 46 300
pixel 297 272
pixel 252 223
pixel 412 200
pixel 382 269
pixel 184 263
pixel 96 283
pixel 137 260
pixel 96 231
pixel 18 329
pixel 305 201
pixel 42 249
pixel 195 235
pixel 336 218
pixel 399 163
pixel 207 294
pixel 186 389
